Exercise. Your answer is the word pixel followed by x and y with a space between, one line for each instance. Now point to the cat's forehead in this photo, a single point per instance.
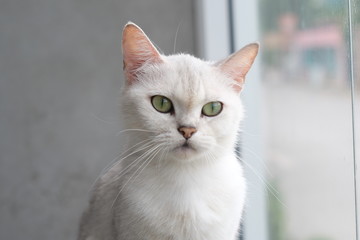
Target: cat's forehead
pixel 184 79
pixel 193 78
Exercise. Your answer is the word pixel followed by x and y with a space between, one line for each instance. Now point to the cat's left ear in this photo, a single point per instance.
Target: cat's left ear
pixel 237 65
pixel 137 51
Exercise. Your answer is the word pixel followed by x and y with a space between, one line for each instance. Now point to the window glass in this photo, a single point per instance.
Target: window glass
pixel 307 117
pixel 355 4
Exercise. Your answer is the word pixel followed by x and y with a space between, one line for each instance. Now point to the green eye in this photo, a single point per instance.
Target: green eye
pixel 212 109
pixel 162 104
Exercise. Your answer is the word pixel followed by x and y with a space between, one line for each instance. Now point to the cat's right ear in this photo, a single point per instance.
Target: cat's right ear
pixel 137 50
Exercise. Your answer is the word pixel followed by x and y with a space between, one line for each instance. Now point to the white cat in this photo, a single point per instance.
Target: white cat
pixel 180 178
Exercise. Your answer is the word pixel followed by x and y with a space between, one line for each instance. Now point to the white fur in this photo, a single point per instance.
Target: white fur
pixel 173 193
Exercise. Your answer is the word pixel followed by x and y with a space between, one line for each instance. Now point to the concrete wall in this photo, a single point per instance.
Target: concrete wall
pixel 60 74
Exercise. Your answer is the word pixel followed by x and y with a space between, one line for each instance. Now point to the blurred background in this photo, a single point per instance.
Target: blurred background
pixel 309 147
pixel 60 76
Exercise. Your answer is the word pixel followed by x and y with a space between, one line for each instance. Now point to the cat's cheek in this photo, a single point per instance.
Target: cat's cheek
pixel 153 120
pixel 224 133
pixel 218 126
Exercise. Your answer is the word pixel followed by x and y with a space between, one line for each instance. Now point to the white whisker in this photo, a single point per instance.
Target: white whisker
pixel 141 168
pixel 268 185
pixel 101 120
pixel 134 130
pixel 176 35
pixel 116 160
pixel 258 158
pixel 134 162
pixel 161 157
pixel 263 180
pixel 270 188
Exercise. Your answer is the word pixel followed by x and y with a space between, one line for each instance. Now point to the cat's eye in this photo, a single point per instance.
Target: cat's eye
pixel 212 109
pixel 162 104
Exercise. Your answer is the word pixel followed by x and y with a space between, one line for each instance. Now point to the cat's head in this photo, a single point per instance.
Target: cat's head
pixel 180 105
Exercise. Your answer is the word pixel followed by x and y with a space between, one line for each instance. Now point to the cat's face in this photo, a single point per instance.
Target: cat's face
pixel 185 107
pixel 187 104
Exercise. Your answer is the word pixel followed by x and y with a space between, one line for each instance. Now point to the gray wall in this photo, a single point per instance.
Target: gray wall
pixel 60 75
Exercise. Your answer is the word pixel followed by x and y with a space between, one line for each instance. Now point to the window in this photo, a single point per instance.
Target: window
pixel 299 137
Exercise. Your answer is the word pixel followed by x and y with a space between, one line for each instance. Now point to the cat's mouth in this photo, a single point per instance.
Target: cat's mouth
pixel 185 146
pixel 186 150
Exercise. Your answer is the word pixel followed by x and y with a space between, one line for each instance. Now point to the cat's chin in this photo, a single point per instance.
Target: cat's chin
pixel 186 152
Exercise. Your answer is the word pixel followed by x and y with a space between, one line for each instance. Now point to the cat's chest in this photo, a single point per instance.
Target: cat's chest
pixel 186 196
pixel 180 205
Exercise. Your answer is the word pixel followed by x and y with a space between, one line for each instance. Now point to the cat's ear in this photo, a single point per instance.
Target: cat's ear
pixel 137 50
pixel 237 65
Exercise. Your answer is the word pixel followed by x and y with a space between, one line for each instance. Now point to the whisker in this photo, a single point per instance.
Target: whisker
pixel 269 186
pixel 176 35
pixel 146 163
pixel 249 134
pixel 210 157
pixel 160 158
pixel 258 158
pixel 136 161
pixel 271 189
pixel 101 120
pixel 166 151
pixel 207 156
pixel 134 129
pixel 257 173
pixel 260 177
pixel 116 160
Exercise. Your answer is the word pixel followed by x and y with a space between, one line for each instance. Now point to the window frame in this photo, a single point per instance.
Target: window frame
pixel 232 31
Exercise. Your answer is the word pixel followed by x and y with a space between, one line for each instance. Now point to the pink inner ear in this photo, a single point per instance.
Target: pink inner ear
pixel 238 64
pixel 137 50
pixel 237 72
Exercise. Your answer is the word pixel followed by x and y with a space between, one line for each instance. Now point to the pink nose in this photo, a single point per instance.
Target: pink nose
pixel 187 132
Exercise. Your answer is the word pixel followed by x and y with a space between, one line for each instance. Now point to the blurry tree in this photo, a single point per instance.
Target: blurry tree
pixel 311 13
